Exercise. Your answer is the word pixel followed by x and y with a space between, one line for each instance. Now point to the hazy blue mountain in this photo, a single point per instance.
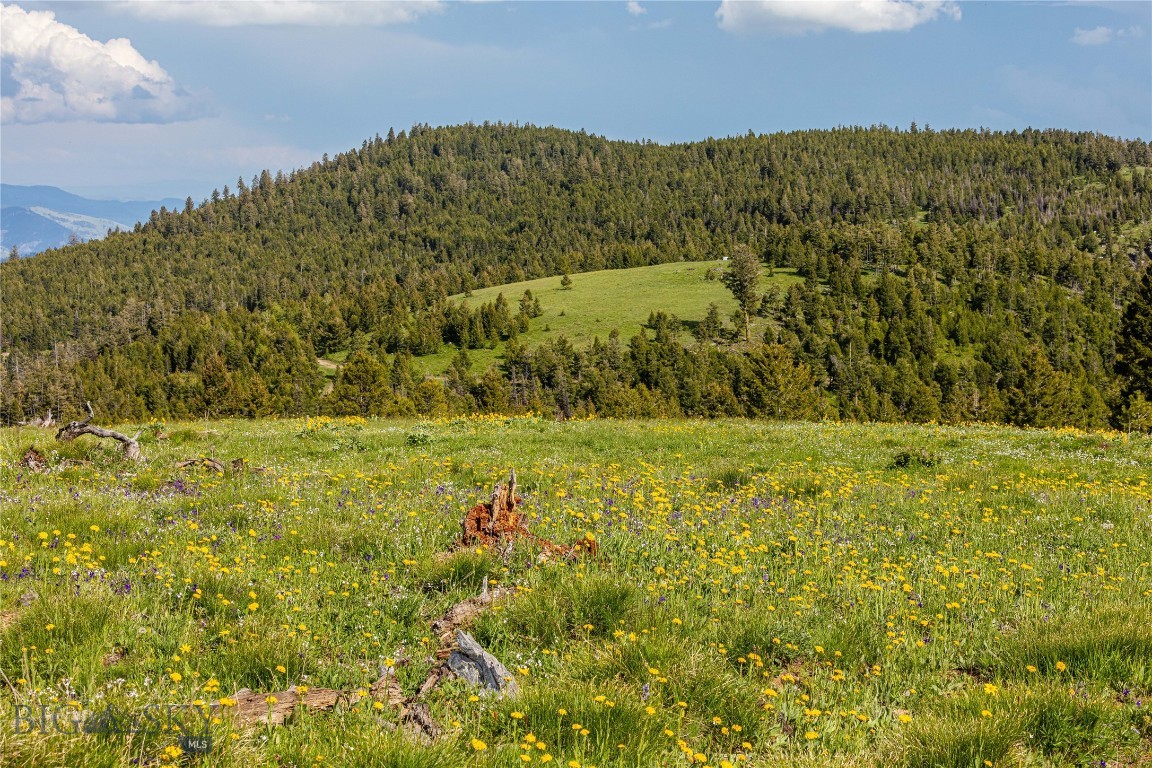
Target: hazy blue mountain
pixel 36 218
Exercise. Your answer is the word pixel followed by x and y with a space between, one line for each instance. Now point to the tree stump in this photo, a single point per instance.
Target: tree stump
pixel 493 521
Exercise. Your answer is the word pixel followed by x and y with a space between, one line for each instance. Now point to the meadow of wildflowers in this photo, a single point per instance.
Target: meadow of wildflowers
pixel 763 594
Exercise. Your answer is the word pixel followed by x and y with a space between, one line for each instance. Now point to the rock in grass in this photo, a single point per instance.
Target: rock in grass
pixel 474 664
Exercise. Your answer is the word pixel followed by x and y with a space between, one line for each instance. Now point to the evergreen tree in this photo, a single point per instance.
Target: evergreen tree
pixel 742 278
pixel 1134 344
pixel 362 388
pixel 710 327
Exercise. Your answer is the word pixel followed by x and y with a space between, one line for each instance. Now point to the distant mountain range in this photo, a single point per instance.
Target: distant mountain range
pixel 36 218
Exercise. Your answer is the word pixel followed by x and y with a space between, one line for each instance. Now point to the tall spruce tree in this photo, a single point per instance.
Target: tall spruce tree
pixel 1135 343
pixel 742 278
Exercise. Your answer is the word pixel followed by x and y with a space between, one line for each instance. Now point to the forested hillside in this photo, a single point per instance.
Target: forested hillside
pixel 948 275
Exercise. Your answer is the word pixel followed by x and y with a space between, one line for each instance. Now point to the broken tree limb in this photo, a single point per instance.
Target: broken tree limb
pixel 247 707
pixel 75 429
pixel 462 614
pixel 460 649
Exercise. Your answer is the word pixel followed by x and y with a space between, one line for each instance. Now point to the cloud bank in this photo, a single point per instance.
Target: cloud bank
pixel 798 17
pixel 237 13
pixel 1103 35
pixel 55 73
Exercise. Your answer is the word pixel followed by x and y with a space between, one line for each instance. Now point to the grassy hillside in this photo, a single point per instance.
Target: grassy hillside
pixel 805 594
pixel 606 300
pixel 959 273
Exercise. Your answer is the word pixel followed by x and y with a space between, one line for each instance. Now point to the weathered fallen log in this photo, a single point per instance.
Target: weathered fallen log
pixel 209 462
pixel 462 614
pixel 75 429
pixel 460 649
pixel 248 707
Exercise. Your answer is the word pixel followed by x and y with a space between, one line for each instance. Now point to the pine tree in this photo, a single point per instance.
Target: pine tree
pixel 1134 347
pixel 710 327
pixel 742 278
pixel 362 388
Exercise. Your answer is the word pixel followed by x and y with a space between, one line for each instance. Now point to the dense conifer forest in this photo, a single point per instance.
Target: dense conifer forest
pixel 948 276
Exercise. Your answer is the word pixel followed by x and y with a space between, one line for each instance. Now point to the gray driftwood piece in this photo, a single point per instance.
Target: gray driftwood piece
pixel 474 664
pixel 75 429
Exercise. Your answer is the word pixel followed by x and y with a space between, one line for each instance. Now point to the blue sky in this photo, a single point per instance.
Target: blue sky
pixel 150 98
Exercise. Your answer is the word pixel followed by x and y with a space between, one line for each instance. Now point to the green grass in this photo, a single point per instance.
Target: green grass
pixel 611 299
pixel 765 594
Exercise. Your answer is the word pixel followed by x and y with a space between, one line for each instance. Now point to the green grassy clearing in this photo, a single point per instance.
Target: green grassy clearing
pixel 611 299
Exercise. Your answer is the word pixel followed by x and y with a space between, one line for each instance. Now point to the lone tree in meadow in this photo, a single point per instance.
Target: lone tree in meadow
pixel 742 278
pixel 566 282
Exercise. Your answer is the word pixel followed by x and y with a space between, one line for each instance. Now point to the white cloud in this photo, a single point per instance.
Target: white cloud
pixel 635 8
pixel 1103 35
pixel 236 13
pixel 1097 36
pixel 797 17
pixel 60 74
